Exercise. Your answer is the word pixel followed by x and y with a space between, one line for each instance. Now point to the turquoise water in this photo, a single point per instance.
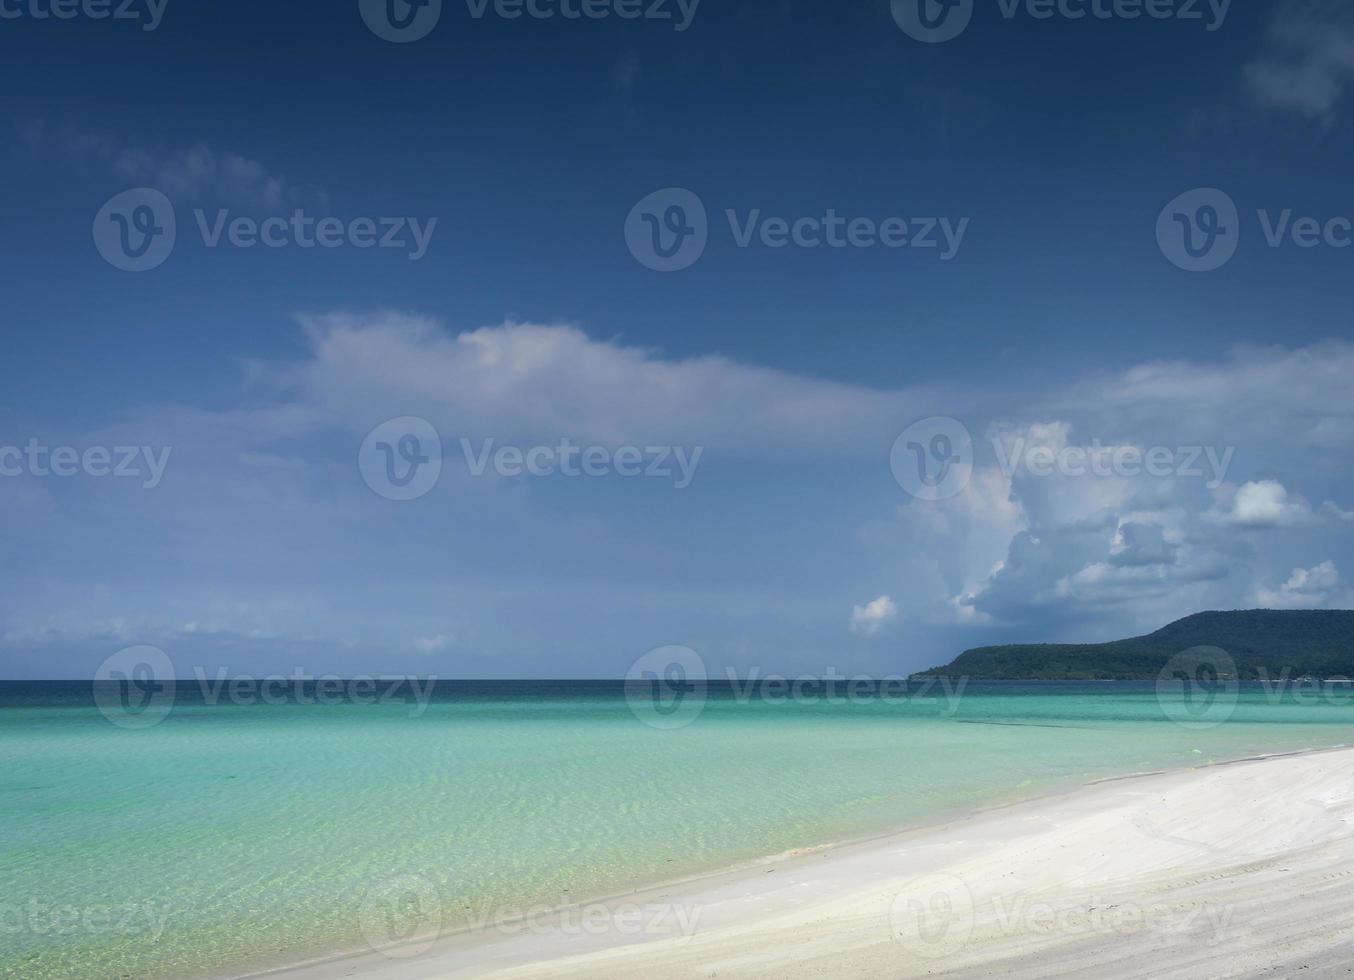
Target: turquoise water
pixel 231 837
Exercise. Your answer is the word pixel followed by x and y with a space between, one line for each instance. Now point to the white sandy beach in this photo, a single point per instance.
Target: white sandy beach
pixel 1241 870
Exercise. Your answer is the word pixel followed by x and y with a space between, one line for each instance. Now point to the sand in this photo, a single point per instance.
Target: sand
pixel 1241 870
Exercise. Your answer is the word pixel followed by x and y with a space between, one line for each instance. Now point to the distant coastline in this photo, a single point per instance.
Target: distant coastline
pixel 1245 645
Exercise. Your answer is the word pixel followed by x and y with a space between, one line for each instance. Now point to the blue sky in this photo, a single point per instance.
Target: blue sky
pixel 1058 323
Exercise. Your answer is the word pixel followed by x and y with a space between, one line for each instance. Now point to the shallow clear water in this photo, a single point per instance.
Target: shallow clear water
pixel 233 836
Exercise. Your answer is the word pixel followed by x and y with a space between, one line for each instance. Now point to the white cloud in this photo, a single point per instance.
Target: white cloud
pixel 871 618
pixel 1308 588
pixel 1308 61
pixel 1138 545
pixel 1068 556
pixel 1155 548
pixel 1255 399
pixel 199 171
pixel 1331 509
pixel 944 551
pixel 1062 556
pixel 528 381
pixel 196 172
pixel 432 644
pixel 1265 504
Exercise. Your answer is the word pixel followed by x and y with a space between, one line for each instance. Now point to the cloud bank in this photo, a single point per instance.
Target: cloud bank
pixel 264 539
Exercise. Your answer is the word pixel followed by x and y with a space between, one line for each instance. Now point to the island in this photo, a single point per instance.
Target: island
pixel 1263 644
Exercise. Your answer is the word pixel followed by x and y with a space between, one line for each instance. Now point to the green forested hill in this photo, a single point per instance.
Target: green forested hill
pixel 1307 642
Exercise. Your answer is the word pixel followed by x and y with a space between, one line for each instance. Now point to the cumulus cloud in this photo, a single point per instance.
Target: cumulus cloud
pixel 1141 550
pixel 1308 588
pixel 1308 61
pixel 1139 545
pixel 1264 504
pixel 871 618
pixel 946 551
pixel 1091 535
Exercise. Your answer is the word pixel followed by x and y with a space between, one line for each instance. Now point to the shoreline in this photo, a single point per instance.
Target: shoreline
pixel 831 878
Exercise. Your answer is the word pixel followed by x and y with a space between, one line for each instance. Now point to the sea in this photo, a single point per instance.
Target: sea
pixel 208 834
